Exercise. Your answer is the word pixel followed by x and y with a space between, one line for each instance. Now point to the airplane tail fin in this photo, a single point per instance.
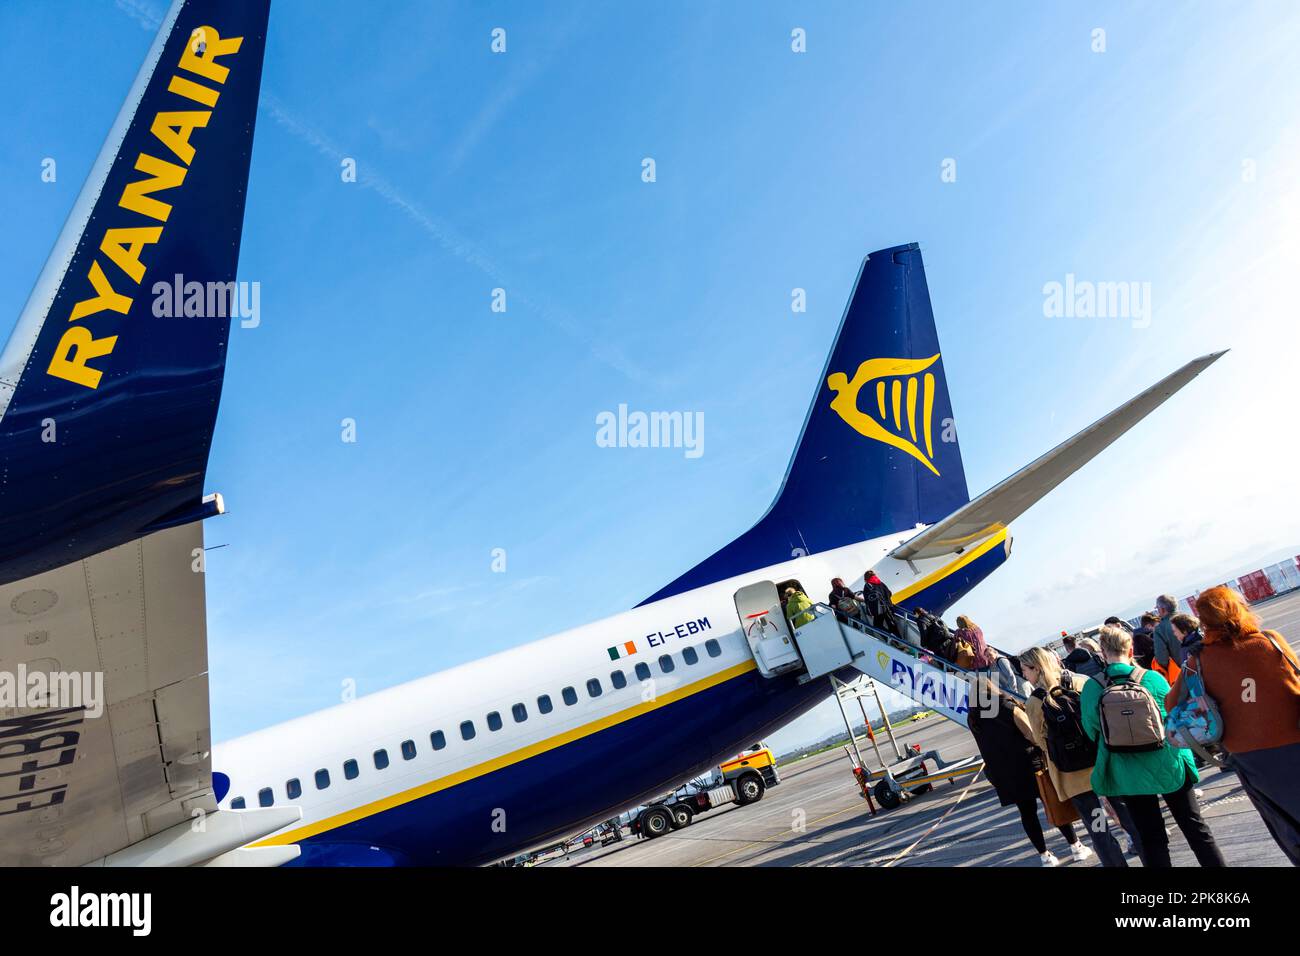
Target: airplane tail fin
pixel 110 381
pixel 879 450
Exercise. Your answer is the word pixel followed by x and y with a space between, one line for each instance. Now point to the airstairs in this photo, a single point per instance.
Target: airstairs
pixel 819 643
pixel 831 645
pixel 828 645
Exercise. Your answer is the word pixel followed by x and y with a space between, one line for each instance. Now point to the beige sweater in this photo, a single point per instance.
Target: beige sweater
pixel 1069 784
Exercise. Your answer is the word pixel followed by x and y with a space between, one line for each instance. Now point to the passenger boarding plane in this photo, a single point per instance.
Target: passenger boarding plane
pixel 106 415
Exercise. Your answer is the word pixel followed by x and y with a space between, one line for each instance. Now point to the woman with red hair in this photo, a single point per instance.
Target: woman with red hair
pixel 1254 677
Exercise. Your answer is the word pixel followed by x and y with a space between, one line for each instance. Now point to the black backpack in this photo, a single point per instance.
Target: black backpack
pixel 1068 744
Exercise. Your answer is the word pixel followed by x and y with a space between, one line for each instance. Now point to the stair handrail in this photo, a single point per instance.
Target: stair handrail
pixel 820 608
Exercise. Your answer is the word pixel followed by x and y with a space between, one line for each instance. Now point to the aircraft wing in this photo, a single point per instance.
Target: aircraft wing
pixel 109 388
pixel 1012 497
pixel 80 781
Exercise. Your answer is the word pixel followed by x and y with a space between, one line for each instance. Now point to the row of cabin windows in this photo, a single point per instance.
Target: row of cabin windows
pixel 438 740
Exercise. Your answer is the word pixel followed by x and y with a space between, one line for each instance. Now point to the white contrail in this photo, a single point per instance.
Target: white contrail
pixel 144 13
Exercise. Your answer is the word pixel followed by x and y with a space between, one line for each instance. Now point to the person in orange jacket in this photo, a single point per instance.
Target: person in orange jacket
pixel 1168 653
pixel 1254 677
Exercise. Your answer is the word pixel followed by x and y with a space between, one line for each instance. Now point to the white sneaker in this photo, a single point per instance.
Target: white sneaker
pixel 1080 852
pixel 1048 859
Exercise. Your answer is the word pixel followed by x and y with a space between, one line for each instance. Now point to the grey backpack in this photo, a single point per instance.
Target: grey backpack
pixel 1130 716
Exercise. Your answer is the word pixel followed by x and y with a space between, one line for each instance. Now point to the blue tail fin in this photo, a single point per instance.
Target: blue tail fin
pixel 879 451
pixel 108 396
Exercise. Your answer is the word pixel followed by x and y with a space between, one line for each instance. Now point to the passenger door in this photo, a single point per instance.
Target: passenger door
pixel 759 608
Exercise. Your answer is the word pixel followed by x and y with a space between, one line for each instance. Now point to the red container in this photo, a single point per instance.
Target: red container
pixel 1255 586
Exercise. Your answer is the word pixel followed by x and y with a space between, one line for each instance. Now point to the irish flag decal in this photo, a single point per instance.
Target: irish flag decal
pixel 626 649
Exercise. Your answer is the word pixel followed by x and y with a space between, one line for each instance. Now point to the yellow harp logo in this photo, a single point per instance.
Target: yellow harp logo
pixel 889 374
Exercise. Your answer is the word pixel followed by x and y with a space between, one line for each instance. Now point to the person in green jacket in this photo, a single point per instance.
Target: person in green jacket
pixel 1142 779
pixel 797 608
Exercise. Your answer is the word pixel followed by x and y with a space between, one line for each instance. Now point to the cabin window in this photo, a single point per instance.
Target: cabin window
pixel 570 696
pixel 544 705
pixel 293 788
pixel 264 797
pixel 350 769
pixel 713 648
pixel 381 759
pixel 494 721
pixel 642 671
pixel 618 679
pixel 467 730
pixel 593 688
pixel 690 656
pixel 237 803
pixel 408 749
pixel 666 663
pixel 519 712
pixel 437 740
pixel 322 779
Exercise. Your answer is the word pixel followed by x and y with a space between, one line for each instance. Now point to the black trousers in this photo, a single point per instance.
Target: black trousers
pixel 1034 829
pixel 1150 823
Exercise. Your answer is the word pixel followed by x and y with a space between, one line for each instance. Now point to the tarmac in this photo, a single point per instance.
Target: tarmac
pixel 816 816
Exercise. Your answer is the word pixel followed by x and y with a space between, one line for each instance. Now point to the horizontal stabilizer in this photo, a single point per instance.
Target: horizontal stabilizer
pixel 1008 500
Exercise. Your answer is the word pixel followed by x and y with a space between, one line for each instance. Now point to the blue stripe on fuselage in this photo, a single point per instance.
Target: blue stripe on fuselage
pixel 555 794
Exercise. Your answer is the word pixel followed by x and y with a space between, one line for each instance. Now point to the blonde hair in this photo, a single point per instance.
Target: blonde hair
pixel 1087 643
pixel 1116 642
pixel 964 622
pixel 1047 664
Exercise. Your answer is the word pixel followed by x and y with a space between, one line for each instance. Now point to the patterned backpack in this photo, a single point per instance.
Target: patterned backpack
pixel 1195 722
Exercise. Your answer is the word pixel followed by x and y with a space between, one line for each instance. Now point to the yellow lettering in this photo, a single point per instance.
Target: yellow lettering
pixel 76 348
pixel 173 131
pixel 193 91
pixel 105 298
pixel 204 47
pixel 123 247
pixel 162 175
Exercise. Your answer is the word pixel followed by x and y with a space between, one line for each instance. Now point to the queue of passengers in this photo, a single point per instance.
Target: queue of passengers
pixel 1123 723
pixel 1121 741
pixel 916 630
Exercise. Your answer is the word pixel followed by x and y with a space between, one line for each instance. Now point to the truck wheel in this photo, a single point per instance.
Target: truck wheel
pixel 682 816
pixel 749 789
pixel 885 796
pixel 656 822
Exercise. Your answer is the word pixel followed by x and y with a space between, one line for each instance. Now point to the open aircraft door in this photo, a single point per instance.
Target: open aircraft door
pixel 766 629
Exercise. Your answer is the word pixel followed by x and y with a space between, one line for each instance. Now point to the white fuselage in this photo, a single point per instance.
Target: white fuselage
pixel 572 669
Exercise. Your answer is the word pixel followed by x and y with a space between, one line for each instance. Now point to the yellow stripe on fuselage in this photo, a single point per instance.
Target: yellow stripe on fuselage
pixel 505 760
pixel 577 733
pixel 951 567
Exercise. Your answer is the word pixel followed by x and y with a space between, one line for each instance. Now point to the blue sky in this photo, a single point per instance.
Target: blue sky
pixel 1170 158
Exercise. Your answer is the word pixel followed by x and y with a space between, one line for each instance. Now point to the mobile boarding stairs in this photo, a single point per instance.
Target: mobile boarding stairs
pixel 833 647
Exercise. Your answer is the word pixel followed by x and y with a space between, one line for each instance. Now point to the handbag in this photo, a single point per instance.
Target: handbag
pixel 1195 722
pixel 1059 812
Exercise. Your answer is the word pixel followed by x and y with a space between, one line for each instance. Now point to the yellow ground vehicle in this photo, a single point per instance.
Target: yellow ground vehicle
pixel 757 759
